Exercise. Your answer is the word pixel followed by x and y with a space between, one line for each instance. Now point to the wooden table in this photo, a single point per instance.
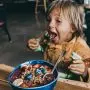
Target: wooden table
pixel 62 84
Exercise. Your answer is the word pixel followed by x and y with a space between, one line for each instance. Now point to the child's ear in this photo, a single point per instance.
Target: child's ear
pixel 72 28
pixel 72 31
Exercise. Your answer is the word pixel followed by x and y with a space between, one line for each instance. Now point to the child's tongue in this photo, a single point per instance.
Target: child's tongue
pixel 53 36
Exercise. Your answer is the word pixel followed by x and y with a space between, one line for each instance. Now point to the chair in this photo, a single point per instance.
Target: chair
pixel 37 4
pixel 3 19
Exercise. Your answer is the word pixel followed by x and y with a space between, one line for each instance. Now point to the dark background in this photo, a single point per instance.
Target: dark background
pixel 22 24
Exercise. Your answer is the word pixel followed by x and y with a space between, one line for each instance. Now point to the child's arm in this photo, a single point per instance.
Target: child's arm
pixel 34 44
pixel 78 67
pixel 81 65
pixel 5 71
pixel 38 44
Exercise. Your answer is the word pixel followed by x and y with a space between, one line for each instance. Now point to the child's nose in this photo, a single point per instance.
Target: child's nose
pixel 51 24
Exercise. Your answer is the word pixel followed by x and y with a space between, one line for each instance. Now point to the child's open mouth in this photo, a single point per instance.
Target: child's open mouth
pixel 53 36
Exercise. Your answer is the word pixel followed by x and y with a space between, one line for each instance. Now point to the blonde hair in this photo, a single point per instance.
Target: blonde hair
pixel 73 11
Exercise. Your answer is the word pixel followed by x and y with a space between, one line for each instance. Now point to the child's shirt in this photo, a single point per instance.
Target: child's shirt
pixel 52 52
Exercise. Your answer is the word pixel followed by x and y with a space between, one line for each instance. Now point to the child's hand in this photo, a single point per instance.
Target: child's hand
pixel 78 67
pixel 33 43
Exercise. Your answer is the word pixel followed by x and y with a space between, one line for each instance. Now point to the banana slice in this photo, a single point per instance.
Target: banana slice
pixel 18 82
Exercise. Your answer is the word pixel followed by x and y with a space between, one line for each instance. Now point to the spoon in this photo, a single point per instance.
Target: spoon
pixel 48 75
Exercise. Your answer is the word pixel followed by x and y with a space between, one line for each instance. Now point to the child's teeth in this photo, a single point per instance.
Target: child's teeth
pixel 51 36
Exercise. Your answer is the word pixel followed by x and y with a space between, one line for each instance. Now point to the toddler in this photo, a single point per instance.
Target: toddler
pixel 65 33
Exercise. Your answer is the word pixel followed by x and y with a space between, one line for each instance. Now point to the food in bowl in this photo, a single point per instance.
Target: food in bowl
pixel 28 76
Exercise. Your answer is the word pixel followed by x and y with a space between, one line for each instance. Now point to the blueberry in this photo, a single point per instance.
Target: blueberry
pixel 28 76
pixel 38 71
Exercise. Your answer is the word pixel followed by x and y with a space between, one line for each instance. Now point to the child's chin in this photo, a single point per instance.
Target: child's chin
pixel 55 42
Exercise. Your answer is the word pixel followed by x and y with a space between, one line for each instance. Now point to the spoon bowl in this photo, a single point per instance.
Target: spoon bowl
pixel 48 76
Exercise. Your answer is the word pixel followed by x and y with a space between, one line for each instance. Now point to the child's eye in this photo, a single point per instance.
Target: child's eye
pixel 58 21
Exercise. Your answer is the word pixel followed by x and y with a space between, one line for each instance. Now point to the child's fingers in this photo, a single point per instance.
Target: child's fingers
pixel 33 45
pixel 74 66
pixel 33 41
pixel 78 61
pixel 76 71
pixel 77 67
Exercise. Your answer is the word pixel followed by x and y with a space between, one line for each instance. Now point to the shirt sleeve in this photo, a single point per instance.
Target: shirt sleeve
pixel 84 51
pixel 40 48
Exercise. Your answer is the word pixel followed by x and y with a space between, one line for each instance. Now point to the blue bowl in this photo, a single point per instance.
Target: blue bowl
pixel 49 86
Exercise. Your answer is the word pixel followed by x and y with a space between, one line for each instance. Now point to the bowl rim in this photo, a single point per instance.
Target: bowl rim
pixel 27 62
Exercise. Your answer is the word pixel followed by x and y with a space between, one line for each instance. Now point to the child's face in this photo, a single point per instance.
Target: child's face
pixel 59 27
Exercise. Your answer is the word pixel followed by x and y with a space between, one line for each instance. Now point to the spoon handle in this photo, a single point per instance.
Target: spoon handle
pixel 59 59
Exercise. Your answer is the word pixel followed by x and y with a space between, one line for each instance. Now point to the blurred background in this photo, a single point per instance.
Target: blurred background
pixel 21 20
